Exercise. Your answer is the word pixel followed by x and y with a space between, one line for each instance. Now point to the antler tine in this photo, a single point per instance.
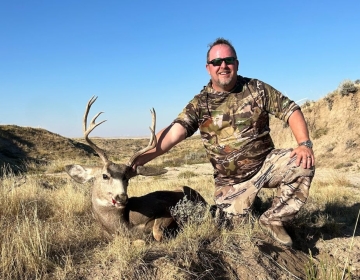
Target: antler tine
pixel 87 131
pixel 152 142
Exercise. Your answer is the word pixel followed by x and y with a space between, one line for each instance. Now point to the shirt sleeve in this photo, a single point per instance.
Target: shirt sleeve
pixel 189 117
pixel 274 102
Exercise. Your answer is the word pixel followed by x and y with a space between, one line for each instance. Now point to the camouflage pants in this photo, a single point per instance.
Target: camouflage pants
pixel 278 171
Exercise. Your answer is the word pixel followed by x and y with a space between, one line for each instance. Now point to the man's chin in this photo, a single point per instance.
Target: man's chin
pixel 224 84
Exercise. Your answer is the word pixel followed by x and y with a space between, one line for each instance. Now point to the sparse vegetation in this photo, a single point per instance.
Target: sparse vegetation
pixel 48 232
pixel 346 87
pixel 342 165
pixel 330 147
pixel 330 101
pixel 186 174
pixel 350 143
pixel 306 104
pixel 319 132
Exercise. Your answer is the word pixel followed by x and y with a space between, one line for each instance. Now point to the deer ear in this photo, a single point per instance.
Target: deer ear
pixel 79 173
pixel 150 170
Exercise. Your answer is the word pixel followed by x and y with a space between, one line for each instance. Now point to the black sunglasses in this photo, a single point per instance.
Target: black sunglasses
pixel 218 61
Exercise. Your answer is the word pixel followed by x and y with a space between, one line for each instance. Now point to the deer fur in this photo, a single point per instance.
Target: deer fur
pixel 111 206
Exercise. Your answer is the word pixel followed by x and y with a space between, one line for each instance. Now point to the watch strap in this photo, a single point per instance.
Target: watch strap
pixel 306 143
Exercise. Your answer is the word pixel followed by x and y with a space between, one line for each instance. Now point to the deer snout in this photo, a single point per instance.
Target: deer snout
pixel 120 200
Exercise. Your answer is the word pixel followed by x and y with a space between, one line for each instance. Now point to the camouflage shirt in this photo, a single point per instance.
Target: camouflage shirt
pixel 235 126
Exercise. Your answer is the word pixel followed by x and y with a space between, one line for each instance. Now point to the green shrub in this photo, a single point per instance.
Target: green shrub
pixel 346 87
pixel 186 211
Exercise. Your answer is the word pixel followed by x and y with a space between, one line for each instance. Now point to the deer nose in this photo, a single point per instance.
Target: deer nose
pixel 122 198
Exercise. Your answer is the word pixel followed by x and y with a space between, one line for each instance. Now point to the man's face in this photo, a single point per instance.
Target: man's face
pixel 224 76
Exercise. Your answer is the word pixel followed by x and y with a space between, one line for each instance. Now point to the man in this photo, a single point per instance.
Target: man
pixel 232 114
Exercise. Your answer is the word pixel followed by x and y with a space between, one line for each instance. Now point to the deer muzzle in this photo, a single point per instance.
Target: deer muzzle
pixel 120 201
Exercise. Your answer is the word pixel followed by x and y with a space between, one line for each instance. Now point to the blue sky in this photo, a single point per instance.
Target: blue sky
pixel 135 55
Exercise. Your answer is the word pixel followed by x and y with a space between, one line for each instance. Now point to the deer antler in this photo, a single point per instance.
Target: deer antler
pixel 87 131
pixel 152 142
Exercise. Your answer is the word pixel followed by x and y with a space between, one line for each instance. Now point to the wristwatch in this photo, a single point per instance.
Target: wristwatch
pixel 307 143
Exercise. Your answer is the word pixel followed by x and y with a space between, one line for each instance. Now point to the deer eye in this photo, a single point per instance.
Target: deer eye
pixel 106 177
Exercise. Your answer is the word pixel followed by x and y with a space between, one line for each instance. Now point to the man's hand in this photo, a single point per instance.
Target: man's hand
pixel 304 156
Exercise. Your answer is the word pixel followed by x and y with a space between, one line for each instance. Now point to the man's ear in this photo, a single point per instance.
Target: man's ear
pixel 207 68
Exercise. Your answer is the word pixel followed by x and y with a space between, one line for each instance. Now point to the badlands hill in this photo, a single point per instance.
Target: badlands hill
pixel 334 127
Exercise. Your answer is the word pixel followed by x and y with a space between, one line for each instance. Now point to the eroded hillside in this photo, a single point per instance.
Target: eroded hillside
pixel 334 126
pixel 20 147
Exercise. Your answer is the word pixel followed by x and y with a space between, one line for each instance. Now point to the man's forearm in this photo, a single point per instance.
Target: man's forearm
pixel 298 126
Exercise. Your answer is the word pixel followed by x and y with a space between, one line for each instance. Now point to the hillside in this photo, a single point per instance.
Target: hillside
pixel 22 147
pixel 334 127
pixel 333 123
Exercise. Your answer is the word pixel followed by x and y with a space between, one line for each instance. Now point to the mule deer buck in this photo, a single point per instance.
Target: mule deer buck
pixel 111 205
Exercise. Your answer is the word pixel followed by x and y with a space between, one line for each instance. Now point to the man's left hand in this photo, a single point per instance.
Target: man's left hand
pixel 304 156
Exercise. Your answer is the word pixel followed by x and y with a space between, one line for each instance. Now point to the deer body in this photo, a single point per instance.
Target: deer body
pixel 111 205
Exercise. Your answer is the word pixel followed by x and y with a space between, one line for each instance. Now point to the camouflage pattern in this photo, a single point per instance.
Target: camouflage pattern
pixel 278 171
pixel 234 126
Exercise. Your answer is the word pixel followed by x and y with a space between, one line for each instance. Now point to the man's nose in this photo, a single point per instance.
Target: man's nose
pixel 223 64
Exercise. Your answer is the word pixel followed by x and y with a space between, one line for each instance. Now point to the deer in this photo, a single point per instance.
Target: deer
pixel 148 214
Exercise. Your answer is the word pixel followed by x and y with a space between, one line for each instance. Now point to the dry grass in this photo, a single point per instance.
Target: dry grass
pixel 48 233
pixel 47 230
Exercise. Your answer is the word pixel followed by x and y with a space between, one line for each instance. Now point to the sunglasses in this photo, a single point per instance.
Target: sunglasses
pixel 218 61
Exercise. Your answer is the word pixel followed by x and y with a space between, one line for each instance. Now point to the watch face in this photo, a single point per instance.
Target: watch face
pixel 308 144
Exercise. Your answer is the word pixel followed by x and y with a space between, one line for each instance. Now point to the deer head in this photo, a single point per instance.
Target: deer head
pixel 112 179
